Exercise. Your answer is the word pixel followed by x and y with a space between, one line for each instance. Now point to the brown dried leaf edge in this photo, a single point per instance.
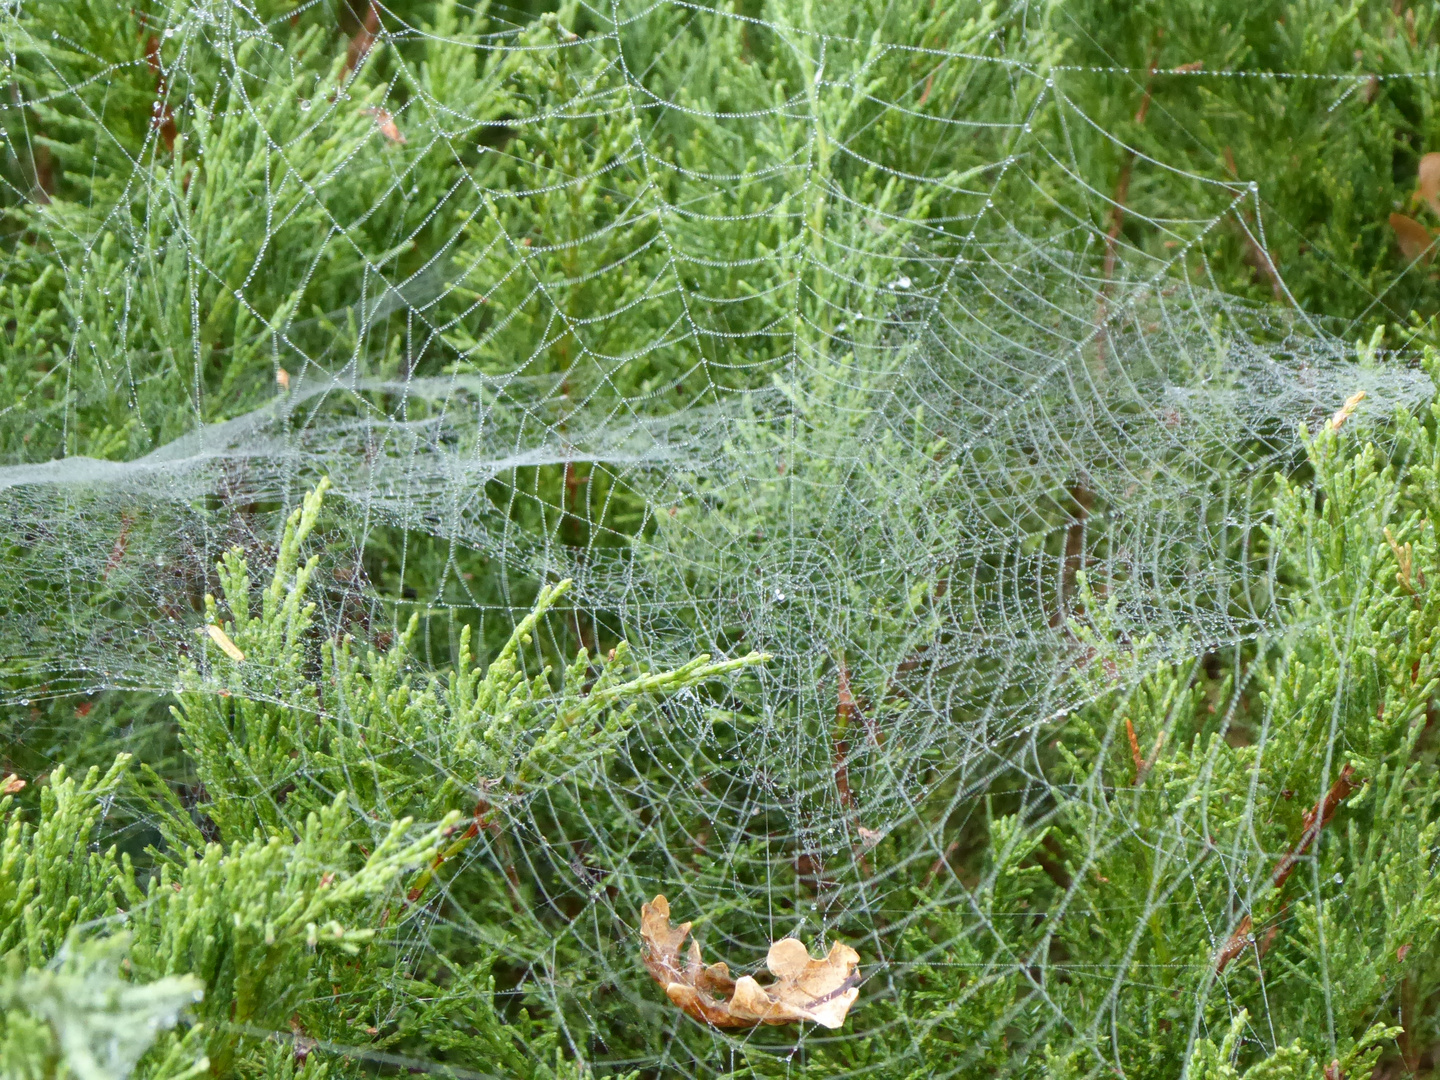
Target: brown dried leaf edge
pixel 820 991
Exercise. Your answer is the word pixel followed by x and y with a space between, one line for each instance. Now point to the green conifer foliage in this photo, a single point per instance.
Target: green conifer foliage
pixel 425 848
pixel 300 868
pixel 1199 877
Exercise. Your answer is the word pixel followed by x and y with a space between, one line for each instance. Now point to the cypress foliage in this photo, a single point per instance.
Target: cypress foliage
pixel 341 857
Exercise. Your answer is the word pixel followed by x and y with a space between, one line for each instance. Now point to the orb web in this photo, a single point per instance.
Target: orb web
pixel 808 332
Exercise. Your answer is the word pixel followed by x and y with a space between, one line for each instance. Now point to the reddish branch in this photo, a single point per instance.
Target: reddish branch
pixel 844 710
pixel 1117 225
pixel 1142 764
pixel 163 119
pixel 1255 255
pixel 364 39
pixel 1238 943
pixel 1243 938
pixel 1313 821
pixel 1311 824
pixel 480 820
pixel 1134 749
pixel 1074 549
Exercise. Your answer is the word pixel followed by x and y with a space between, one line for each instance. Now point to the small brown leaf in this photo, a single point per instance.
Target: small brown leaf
pixel 1427 182
pixel 1194 65
pixel 386 123
pixel 1415 240
pixel 1402 952
pixel 228 647
pixel 13 785
pixel 821 991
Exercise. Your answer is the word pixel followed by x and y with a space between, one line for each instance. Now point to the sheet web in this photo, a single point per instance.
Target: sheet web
pixel 807 332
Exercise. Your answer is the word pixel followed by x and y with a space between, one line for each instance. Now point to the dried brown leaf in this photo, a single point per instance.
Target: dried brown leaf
pixel 13 785
pixel 1347 410
pixel 821 991
pixel 228 647
pixel 1427 182
pixel 1415 240
pixel 386 123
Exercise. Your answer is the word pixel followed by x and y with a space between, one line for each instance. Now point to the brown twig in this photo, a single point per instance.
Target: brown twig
pixel 1313 821
pixel 844 709
pixel 1117 225
pixel 1311 825
pixel 1074 549
pixel 1237 944
pixel 939 863
pixel 363 41
pixel 480 820
pixel 1134 750
pixel 1255 255
pixel 163 119
pixel 1143 764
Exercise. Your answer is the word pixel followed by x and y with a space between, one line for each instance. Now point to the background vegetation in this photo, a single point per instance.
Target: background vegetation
pixel 422 848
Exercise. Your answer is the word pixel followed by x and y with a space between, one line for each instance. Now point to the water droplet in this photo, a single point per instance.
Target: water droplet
pixel 304 104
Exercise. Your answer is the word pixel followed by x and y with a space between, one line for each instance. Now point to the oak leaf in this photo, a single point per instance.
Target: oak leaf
pixel 821 991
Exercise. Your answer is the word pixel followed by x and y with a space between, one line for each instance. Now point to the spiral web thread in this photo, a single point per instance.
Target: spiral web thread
pixel 794 374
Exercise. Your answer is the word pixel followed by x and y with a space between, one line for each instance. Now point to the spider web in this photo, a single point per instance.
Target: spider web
pixel 798 332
